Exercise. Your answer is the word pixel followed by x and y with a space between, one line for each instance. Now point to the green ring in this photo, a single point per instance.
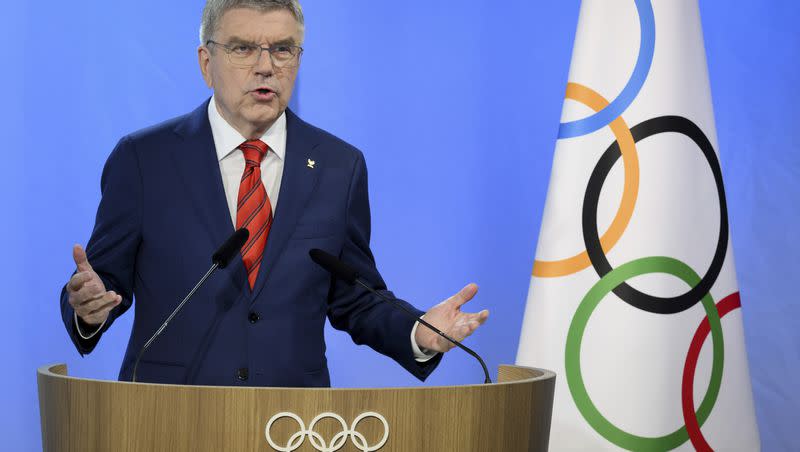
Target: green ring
pixel 656 264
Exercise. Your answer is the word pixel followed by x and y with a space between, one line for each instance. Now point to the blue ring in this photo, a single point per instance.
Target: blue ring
pixel 604 117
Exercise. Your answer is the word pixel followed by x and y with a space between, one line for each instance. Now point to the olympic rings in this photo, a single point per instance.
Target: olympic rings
pixel 646 302
pixel 627 147
pixel 607 113
pixel 577 327
pixel 725 306
pixel 647 26
pixel 318 442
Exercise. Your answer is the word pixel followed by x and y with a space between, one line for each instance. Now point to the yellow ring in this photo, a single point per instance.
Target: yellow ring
pixel 630 159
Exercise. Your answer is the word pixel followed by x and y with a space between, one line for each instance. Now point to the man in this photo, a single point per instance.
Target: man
pixel 173 192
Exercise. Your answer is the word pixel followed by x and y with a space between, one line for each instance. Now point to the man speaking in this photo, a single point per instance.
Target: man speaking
pixel 173 192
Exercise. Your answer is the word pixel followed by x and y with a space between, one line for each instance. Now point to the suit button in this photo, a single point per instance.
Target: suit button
pixel 253 317
pixel 242 374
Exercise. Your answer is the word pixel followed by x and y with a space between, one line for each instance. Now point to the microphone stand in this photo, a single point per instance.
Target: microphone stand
pixel 169 319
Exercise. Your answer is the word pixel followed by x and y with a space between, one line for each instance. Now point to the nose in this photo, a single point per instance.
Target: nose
pixel 264 65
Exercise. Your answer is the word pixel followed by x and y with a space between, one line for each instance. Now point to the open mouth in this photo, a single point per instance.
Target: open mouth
pixel 264 94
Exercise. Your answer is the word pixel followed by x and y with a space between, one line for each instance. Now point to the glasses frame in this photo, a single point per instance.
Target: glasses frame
pixel 289 63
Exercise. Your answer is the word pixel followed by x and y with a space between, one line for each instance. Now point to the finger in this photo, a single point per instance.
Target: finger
pixel 468 323
pixel 90 291
pixel 99 316
pixel 464 295
pixel 96 304
pixel 78 280
pixel 86 293
pixel 480 317
pixel 114 301
pixel 468 328
pixel 79 256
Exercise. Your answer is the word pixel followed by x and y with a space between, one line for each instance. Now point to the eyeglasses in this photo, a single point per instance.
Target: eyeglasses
pixel 248 55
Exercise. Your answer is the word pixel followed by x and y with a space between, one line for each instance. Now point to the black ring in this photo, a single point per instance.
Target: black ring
pixel 635 298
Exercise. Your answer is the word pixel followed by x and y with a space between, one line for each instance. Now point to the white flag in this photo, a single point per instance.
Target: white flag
pixel 633 299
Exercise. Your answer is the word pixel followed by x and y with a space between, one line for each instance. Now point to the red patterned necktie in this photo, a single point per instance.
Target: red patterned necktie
pixel 254 210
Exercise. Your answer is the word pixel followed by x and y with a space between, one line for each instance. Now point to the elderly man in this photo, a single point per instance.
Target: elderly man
pixel 173 192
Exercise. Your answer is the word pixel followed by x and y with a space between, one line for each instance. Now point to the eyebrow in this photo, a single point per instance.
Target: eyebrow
pixel 285 42
pixel 238 40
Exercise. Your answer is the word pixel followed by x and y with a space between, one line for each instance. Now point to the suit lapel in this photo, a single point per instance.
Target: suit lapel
pixel 197 165
pixel 297 185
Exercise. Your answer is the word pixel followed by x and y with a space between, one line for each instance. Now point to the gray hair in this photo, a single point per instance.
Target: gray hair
pixel 215 9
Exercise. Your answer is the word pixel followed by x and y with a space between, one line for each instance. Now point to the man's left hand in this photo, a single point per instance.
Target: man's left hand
pixel 447 316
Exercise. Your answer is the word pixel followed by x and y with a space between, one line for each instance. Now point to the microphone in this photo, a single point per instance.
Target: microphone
pixel 225 253
pixel 333 265
pixel 220 259
pixel 349 275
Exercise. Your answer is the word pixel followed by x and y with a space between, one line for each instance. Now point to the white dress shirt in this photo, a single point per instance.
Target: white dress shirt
pixel 231 158
pixel 231 166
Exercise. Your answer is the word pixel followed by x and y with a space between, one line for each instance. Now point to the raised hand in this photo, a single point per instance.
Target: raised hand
pixel 87 293
pixel 447 316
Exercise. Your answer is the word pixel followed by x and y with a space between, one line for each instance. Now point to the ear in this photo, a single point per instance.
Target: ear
pixel 204 59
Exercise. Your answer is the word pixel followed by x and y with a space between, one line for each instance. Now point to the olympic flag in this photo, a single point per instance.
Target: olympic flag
pixel 634 268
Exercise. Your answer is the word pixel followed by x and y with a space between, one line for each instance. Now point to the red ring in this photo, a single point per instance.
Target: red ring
pixel 699 442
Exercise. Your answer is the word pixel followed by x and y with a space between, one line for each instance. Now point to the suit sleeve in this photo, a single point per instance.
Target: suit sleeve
pixel 368 319
pixel 115 238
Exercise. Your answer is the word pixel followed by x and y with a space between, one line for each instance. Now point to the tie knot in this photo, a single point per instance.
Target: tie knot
pixel 254 151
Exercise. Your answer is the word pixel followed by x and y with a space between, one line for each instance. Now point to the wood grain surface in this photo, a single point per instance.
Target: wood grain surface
pixel 85 415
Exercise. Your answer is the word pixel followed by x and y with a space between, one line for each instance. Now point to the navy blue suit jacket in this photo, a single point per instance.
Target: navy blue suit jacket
pixel 162 215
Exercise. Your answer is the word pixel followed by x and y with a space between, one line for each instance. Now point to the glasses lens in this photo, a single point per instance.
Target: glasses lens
pixel 285 56
pixel 248 56
pixel 244 55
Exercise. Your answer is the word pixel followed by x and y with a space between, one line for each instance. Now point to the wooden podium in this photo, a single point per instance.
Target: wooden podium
pixel 85 415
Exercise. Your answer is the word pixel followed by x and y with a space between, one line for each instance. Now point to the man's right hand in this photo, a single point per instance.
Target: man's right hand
pixel 87 293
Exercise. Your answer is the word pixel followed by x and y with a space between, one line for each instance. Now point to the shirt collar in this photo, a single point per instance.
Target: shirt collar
pixel 227 139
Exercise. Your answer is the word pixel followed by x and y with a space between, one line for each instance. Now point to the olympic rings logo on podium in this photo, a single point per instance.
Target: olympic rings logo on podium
pixel 318 442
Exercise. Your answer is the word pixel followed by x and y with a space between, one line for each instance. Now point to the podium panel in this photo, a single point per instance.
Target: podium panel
pixel 84 415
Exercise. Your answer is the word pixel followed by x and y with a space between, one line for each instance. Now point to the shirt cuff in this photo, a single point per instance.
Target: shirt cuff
pixel 90 335
pixel 420 355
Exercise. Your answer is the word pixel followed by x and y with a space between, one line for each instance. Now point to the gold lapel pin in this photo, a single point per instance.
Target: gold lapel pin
pixel 311 163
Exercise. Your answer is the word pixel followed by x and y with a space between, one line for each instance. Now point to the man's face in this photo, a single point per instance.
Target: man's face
pixel 251 98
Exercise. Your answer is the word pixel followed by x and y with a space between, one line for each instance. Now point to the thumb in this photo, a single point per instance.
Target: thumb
pixel 79 255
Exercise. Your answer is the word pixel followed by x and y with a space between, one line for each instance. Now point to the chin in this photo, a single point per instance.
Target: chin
pixel 263 117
